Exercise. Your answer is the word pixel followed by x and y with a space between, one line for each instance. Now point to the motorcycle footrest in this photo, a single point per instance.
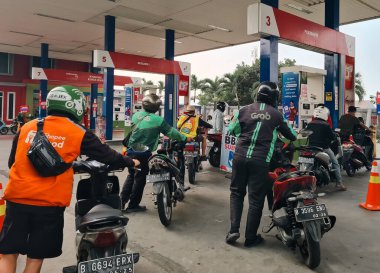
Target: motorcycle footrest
pixel 186 189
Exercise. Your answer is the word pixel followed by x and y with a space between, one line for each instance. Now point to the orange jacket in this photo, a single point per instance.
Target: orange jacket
pixel 25 186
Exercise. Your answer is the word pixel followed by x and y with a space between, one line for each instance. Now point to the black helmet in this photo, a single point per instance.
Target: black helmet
pixel 221 106
pixel 151 103
pixel 268 93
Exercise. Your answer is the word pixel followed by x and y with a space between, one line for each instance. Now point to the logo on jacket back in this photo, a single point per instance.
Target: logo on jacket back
pixel 56 141
pixel 261 116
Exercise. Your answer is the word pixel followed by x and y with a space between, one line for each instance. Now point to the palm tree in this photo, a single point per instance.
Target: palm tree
pixel 145 82
pixel 359 89
pixel 212 90
pixel 195 85
pixel 161 87
pixel 230 86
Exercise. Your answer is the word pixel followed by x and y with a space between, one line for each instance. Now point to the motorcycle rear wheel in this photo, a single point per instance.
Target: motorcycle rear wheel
pixel 350 170
pixel 4 131
pixel 310 250
pixel 191 170
pixel 165 206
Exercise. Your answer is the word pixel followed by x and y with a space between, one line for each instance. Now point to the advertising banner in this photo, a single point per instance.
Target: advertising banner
pixel 183 85
pixel 378 103
pixel 128 106
pixel 139 63
pixel 290 95
pixel 264 20
pixel 75 76
pixel 228 149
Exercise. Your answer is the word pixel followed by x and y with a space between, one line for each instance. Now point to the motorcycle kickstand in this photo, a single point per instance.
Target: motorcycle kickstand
pixel 269 228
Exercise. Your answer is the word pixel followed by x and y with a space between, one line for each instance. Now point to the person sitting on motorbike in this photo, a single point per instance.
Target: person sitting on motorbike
pixel 348 123
pixel 322 137
pixel 148 127
pixel 34 219
pixel 363 137
pixel 188 124
pixel 256 126
pixel 218 118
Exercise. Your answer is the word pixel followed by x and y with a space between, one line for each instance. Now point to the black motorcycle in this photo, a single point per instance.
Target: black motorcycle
pixel 14 126
pixel 167 177
pixel 101 237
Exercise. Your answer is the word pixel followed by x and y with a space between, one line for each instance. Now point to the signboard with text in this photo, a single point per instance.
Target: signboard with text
pixel 228 149
pixel 378 103
pixel 128 106
pixel 183 85
pixel 290 96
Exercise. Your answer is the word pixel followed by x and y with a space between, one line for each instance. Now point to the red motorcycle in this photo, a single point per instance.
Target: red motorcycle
pixel 214 153
pixel 296 214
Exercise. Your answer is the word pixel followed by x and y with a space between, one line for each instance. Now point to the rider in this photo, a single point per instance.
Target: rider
pixel 218 117
pixel 188 125
pixel 322 137
pixel 348 123
pixel 148 127
pixel 33 222
pixel 256 126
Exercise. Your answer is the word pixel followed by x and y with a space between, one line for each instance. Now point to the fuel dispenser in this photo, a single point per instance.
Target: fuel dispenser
pixel 302 87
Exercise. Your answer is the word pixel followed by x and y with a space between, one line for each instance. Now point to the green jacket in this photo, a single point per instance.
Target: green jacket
pixel 149 128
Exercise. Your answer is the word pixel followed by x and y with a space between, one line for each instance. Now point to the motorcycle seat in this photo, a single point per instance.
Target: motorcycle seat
pixel 101 216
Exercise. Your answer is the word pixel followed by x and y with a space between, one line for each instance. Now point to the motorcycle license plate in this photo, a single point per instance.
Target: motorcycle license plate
pixel 152 178
pixel 115 264
pixel 309 160
pixel 309 213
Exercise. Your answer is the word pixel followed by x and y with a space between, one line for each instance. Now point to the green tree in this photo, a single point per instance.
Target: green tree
pixel 359 89
pixel 161 87
pixel 145 82
pixel 196 85
pixel 211 91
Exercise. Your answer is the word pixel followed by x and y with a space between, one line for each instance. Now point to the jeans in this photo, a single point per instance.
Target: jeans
pixel 335 165
pixel 134 185
pixel 254 174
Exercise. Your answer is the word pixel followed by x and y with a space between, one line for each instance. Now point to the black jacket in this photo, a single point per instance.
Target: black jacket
pixel 322 135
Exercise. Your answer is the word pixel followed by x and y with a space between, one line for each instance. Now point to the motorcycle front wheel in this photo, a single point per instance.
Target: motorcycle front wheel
pixel 214 157
pixel 4 131
pixel 14 129
pixel 191 170
pixel 164 205
pixel 310 250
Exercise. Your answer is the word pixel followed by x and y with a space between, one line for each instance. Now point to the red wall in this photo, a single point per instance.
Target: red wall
pixel 71 65
pixel 21 69
pixel 20 100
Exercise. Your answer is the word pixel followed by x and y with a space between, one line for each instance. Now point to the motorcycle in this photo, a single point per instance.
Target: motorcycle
pixel 14 126
pixel 3 128
pixel 101 237
pixel 354 158
pixel 215 150
pixel 313 158
pixel 167 177
pixel 296 214
pixel 192 159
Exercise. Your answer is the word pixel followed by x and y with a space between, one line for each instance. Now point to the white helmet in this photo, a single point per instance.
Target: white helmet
pixel 321 112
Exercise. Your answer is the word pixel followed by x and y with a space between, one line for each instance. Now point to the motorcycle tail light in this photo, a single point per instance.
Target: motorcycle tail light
pixel 306 153
pixel 189 148
pixel 347 145
pixel 308 202
pixel 104 238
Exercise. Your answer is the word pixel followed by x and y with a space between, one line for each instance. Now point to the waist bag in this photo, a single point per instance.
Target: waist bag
pixel 43 156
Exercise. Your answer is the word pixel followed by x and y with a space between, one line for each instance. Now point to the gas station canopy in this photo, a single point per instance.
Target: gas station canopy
pixel 74 28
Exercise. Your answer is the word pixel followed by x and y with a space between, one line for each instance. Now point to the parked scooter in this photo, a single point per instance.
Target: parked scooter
pixel 3 128
pixel 215 151
pixel 101 237
pixel 192 159
pixel 167 179
pixel 296 214
pixel 14 126
pixel 354 158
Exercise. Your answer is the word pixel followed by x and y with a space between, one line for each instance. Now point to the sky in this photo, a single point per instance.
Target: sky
pixel 209 64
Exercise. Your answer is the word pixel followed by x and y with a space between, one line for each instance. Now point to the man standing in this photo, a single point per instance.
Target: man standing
pixel 218 117
pixel 256 126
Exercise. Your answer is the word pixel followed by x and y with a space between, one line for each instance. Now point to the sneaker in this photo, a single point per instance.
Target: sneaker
pixel 341 187
pixel 251 243
pixel 232 237
pixel 136 209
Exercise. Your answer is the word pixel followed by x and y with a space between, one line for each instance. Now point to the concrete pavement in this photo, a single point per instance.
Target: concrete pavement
pixel 195 240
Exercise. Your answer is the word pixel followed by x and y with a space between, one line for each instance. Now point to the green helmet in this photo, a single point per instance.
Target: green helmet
pixel 68 100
